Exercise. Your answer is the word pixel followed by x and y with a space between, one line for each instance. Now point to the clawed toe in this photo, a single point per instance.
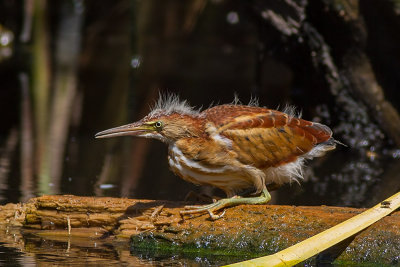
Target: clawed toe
pixel 203 209
pixel 210 208
pixel 216 217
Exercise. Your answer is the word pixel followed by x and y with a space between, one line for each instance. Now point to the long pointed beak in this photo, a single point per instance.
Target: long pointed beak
pixel 128 129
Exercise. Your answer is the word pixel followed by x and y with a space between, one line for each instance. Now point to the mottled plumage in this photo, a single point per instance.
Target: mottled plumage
pixel 232 147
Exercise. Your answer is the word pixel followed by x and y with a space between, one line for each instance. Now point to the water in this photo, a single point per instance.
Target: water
pixel 89 67
pixel 28 249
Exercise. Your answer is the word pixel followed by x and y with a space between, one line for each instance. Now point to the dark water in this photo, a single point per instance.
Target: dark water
pixel 69 69
pixel 27 249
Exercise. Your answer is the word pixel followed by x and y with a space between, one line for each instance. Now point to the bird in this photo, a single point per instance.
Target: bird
pixel 233 147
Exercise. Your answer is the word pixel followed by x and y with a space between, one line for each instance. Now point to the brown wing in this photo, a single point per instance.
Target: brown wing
pixel 264 137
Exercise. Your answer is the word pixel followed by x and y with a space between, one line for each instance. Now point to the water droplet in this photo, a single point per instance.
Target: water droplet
pixel 106 186
pixel 396 154
pixel 6 38
pixel 136 61
pixel 364 143
pixel 232 17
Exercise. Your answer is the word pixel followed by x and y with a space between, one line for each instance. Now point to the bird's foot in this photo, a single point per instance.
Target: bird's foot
pixel 226 202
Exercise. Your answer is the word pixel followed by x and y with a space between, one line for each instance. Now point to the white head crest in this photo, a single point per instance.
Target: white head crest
pixel 170 103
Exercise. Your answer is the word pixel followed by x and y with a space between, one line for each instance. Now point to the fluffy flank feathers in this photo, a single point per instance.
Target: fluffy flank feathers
pixel 293 171
pixel 286 173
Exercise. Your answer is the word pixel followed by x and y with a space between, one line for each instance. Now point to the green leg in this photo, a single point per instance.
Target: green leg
pixel 226 202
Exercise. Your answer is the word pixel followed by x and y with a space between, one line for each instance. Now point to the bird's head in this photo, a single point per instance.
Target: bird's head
pixel 167 128
pixel 169 120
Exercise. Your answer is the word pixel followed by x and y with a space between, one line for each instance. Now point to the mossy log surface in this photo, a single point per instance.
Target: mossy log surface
pixel 247 230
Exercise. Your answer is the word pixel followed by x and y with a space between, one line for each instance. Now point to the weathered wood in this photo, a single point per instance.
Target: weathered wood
pixel 244 230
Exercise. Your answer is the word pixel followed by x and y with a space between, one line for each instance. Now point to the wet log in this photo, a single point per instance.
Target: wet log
pixel 246 230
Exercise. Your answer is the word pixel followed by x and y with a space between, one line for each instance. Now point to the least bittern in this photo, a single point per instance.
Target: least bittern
pixel 232 147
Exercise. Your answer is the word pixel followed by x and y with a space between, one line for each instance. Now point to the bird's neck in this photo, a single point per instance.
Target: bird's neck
pixel 184 127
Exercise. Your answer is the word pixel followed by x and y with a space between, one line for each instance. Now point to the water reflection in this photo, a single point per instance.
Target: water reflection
pixel 28 249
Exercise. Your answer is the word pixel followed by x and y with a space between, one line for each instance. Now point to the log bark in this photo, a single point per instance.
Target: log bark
pixel 246 230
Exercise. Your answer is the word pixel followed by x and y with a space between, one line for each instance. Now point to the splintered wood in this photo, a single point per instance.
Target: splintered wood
pixel 122 217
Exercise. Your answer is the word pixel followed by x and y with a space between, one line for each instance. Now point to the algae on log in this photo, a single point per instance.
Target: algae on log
pixel 244 230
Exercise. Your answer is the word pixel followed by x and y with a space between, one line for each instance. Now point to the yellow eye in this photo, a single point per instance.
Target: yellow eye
pixel 158 125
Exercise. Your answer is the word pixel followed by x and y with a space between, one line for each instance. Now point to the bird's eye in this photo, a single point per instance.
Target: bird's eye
pixel 158 125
